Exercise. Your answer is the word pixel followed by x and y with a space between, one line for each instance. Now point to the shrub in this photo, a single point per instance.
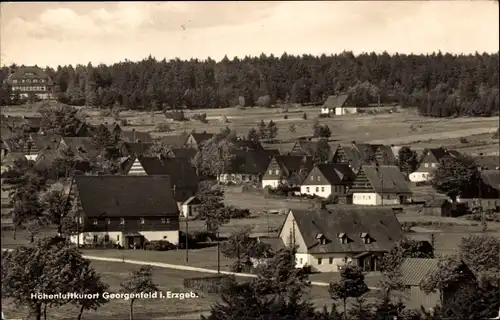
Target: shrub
pixel 285 117
pixel 202 117
pixel 304 116
pixel 464 140
pixel 162 127
pixel 324 115
pixel 237 213
pixel 203 236
pixel 160 245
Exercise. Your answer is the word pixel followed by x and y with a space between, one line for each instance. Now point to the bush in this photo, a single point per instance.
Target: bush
pixel 285 117
pixel 202 117
pixel 237 213
pixel 304 116
pixel 162 127
pixel 160 245
pixel 324 115
pixel 123 122
pixel 204 236
pixel 464 140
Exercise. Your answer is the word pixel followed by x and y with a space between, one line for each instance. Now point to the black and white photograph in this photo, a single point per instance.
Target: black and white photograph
pixel 250 160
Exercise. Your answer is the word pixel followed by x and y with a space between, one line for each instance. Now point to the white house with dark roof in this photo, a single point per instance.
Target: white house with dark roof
pixel 328 179
pixel 328 239
pixel 379 185
pixel 429 163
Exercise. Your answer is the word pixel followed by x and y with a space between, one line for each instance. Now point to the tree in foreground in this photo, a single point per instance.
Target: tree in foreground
pixel 61 120
pixel 140 280
pixel 402 249
pixel 278 292
pixel 481 254
pixel 351 285
pixel 50 267
pixel 454 176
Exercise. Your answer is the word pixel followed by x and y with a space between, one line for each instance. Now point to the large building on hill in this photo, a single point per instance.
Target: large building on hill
pixel 30 81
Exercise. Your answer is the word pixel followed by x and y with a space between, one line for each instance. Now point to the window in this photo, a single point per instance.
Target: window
pixel 42 80
pixel 319 178
pixel 142 220
pixel 168 220
pixel 322 189
pixel 277 172
pixel 320 260
pixel 28 81
pixel 106 238
pixel 14 81
pixel 122 220
pixel 270 171
pixel 94 221
pixel 164 237
pixel 301 260
pixel 307 189
pixel 330 261
pixel 426 165
pixel 312 178
pixel 433 165
pixel 35 81
pixel 317 189
pixel 367 240
pixel 22 81
pixel 117 237
pixel 108 221
pixel 95 239
pixel 162 220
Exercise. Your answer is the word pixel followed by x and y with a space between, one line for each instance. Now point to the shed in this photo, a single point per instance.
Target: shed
pixel 413 271
pixel 438 208
pixel 189 207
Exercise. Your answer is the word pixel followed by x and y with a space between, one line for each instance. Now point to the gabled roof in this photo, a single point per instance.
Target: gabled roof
pixel 440 153
pixel 126 196
pixel 178 140
pixel 488 162
pixel 251 161
pixel 182 174
pixel 21 73
pixel 137 148
pixel 334 173
pixel 380 224
pixel 82 146
pixel 136 136
pixel 291 163
pixel 491 178
pixel 187 153
pixel 201 137
pixel 387 179
pixel 44 142
pixel 414 270
pixel 336 101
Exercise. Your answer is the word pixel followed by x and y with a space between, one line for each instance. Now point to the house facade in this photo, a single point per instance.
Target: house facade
pixel 379 185
pixel 286 170
pixel 195 139
pixel 326 240
pixel 331 179
pixel 126 211
pixel 339 105
pixel 429 164
pixel 247 166
pixel 30 81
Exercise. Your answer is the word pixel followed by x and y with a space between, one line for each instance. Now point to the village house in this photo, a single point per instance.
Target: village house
pixel 196 139
pixel 126 210
pixel 247 166
pixel 183 177
pixel 328 239
pixel 340 104
pixel 329 179
pixel 414 270
pixel 430 162
pixel 189 208
pixel 30 81
pixel 486 192
pixel 133 149
pixel 379 185
pixel 358 154
pixel 187 153
pixel 286 170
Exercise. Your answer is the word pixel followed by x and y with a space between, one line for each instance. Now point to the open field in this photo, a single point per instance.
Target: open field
pixel 403 127
pixel 113 274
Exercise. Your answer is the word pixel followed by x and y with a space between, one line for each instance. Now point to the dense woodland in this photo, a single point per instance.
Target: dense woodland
pixel 440 85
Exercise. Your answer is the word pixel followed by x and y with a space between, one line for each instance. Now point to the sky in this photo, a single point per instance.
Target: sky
pixel 60 33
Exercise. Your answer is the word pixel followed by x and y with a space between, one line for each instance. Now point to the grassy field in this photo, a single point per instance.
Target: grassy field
pixel 403 128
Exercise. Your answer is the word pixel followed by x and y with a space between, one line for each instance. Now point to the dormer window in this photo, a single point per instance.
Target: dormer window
pixel 343 238
pixel 108 221
pixel 319 178
pixel 94 221
pixel 312 178
pixel 321 238
pixel 142 220
pixel 122 220
pixel 366 238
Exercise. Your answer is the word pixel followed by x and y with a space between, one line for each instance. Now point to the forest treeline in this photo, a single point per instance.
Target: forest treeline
pixel 440 85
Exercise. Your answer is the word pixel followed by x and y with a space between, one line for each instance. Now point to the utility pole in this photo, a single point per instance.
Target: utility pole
pixel 187 237
pixel 218 252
